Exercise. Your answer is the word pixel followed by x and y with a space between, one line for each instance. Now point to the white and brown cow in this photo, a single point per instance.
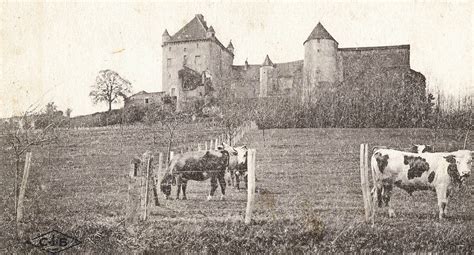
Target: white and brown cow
pixel 439 172
pixel 237 164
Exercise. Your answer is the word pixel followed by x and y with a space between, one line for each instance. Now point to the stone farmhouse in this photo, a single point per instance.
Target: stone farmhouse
pixel 197 65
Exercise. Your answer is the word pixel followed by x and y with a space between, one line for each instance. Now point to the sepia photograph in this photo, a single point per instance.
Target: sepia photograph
pixel 236 127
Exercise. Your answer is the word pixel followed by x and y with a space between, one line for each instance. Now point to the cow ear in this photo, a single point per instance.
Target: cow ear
pixel 220 147
pixel 414 148
pixel 429 148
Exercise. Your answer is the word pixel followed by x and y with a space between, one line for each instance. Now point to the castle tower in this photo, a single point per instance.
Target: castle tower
pixel 187 54
pixel 266 73
pixel 320 63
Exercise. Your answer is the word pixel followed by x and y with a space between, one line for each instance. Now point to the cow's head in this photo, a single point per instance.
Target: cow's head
pixel 238 155
pixel 421 148
pixel 461 161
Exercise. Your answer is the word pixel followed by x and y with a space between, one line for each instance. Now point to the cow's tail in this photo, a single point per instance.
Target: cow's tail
pixel 378 187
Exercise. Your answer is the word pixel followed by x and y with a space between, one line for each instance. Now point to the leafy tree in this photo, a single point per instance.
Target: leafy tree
pixel 109 87
pixel 49 116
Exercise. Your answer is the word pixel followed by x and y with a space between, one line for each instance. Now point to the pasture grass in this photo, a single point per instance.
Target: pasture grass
pixel 309 198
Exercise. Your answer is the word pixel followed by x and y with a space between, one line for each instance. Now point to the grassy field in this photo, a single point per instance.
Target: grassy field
pixel 309 197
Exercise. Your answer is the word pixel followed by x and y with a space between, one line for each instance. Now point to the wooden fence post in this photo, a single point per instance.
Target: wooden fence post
pixel 210 145
pixel 146 165
pixel 24 181
pixel 205 146
pixel 364 181
pixel 156 174
pixel 217 143
pixel 133 191
pixel 251 185
pixel 199 146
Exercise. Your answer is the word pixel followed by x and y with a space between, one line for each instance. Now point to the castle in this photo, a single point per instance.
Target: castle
pixel 196 64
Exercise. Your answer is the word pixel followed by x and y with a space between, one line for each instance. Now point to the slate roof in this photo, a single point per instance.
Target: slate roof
pixel 196 29
pixel 267 61
pixel 319 32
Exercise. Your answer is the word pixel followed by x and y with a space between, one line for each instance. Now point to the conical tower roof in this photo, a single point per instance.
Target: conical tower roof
pixel 267 61
pixel 211 29
pixel 319 32
pixel 166 33
pixel 230 45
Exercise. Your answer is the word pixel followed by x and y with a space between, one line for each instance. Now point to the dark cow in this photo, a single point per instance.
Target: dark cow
pixel 439 172
pixel 198 166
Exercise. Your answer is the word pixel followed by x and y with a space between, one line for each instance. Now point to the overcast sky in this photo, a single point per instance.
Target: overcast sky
pixel 54 51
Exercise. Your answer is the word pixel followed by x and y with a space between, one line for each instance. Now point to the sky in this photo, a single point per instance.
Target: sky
pixel 53 51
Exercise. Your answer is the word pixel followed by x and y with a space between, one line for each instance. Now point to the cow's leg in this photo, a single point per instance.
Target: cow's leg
pixel 237 181
pixel 179 181
pixel 228 177
pixel 223 185
pixel 441 193
pixel 213 187
pixel 183 186
pixel 233 178
pixel 386 194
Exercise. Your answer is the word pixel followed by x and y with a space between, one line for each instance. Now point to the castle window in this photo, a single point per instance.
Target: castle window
pixel 197 45
pixel 185 60
pixel 169 49
pixel 184 49
pixel 168 62
pixel 146 100
pixel 197 60
pixel 318 40
pixel 172 92
pixel 319 50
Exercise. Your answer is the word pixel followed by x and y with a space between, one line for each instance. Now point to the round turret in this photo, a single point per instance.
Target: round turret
pixel 210 32
pixel 266 74
pixel 166 36
pixel 320 62
pixel 230 47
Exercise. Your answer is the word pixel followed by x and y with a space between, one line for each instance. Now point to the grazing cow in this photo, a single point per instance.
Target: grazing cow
pixel 237 164
pixel 199 166
pixel 439 172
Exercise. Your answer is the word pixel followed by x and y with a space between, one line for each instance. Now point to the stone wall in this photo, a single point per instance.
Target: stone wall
pixel 245 81
pixel 145 99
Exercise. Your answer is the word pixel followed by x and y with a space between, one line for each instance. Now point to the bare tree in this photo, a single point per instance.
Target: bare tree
pixel 109 87
pixel 166 117
pixel 23 137
pixel 233 112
